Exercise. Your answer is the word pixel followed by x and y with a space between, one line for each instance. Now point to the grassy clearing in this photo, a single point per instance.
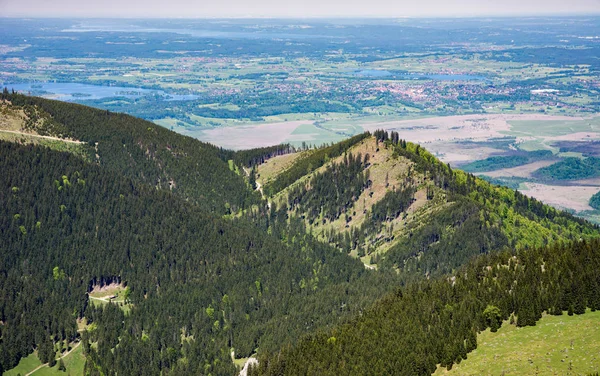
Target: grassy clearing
pixel 74 363
pixel 557 345
pixel 25 366
pixel 276 165
pixel 10 118
pixel 240 362
pixel 12 124
pixel 110 294
pixel 79 150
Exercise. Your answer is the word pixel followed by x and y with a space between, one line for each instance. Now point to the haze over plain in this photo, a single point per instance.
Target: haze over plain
pixel 294 9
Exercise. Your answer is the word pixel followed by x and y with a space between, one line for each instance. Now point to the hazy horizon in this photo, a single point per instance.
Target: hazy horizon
pixel 293 9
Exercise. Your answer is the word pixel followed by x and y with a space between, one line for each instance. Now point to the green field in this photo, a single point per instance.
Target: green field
pixel 113 295
pixel 554 127
pixel 25 365
pixel 74 363
pixel 557 345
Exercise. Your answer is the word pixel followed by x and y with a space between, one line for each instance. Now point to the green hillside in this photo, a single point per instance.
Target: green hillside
pixel 68 226
pixel 556 345
pixel 394 205
pixel 141 150
pixel 86 222
pixel 436 322
pixel 204 269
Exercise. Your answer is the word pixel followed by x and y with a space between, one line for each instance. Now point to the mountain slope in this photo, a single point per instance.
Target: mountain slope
pixel 142 207
pixel 141 150
pixel 436 322
pixel 199 285
pixel 556 345
pixel 393 204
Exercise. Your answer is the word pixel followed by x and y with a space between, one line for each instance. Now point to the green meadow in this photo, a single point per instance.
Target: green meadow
pixel 557 345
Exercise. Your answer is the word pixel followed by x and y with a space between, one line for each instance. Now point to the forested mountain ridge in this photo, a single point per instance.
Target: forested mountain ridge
pixel 436 322
pixel 139 149
pixel 394 205
pixel 199 285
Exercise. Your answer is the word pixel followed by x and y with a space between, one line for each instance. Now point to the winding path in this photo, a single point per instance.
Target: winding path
pixel 258 187
pixel 251 361
pixel 101 299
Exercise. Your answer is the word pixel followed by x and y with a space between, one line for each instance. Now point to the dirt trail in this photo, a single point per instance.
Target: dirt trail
pixel 251 361
pixel 46 364
pixel 102 299
pixel 46 137
pixel 258 187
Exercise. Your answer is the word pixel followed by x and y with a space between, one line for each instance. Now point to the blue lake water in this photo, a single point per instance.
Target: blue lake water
pixel 77 92
pixel 373 73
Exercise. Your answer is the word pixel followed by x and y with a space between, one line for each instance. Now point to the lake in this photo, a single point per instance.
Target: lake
pixel 69 91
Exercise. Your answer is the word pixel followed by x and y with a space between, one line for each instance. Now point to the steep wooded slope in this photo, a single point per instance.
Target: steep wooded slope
pixel 393 204
pixel 436 322
pixel 199 285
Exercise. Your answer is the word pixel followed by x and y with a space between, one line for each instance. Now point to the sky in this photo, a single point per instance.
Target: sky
pixel 293 8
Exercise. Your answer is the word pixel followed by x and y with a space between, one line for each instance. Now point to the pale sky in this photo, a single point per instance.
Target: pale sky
pixel 293 8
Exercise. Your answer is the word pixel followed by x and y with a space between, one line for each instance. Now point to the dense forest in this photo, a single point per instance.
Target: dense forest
pixel 219 283
pixel 310 163
pixel 330 193
pixel 210 268
pixel 436 322
pixel 144 151
pixel 506 161
pixel 254 157
pixel 571 169
pixel 595 201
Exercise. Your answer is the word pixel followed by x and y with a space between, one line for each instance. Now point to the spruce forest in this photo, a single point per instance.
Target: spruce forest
pixel 363 257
